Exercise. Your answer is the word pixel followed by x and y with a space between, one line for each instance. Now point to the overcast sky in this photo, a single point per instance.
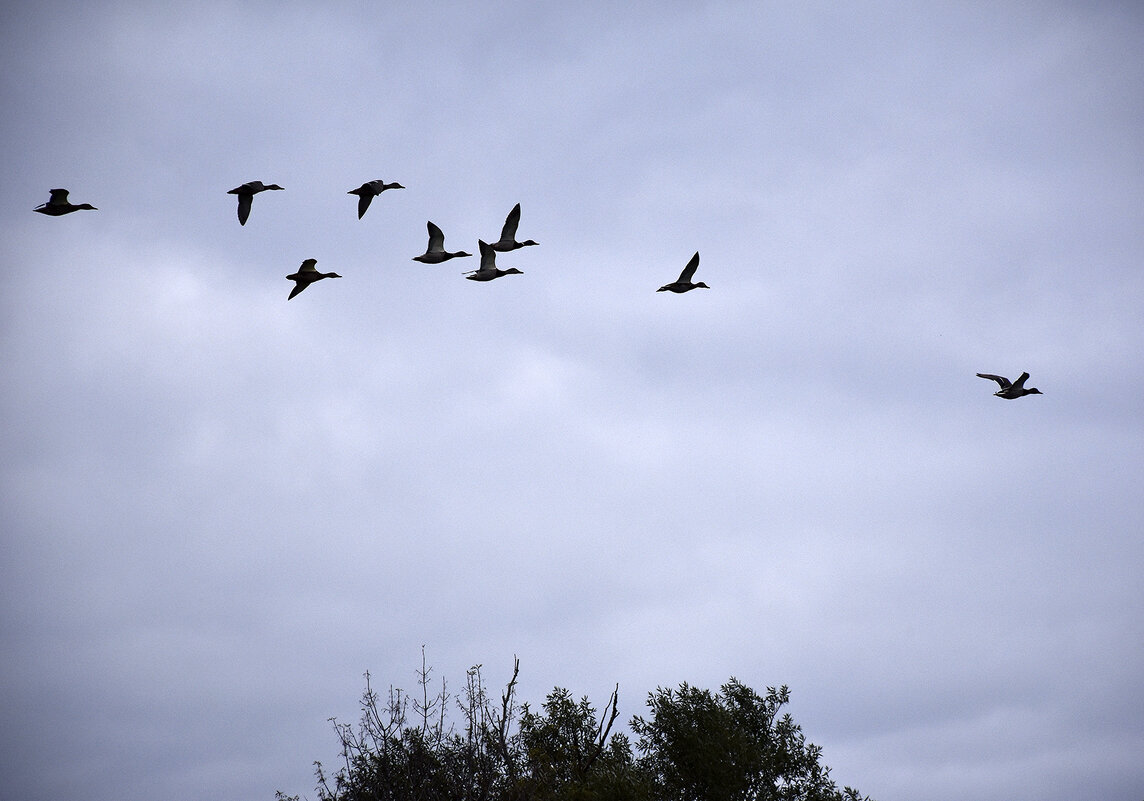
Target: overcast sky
pixel 220 508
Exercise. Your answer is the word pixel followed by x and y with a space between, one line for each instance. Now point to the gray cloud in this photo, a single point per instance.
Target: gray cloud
pixel 220 509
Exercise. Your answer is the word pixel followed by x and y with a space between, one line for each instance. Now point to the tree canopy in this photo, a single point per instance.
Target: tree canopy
pixel 694 745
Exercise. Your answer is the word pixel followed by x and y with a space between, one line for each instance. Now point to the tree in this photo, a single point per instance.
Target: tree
pixel 695 746
pixel 566 753
pixel 731 746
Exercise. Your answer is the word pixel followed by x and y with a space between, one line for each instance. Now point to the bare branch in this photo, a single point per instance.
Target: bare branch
pixel 508 708
pixel 602 731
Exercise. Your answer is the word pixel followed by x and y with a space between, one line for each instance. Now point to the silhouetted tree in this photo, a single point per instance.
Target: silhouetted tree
pixel 730 746
pixel 567 754
pixel 695 746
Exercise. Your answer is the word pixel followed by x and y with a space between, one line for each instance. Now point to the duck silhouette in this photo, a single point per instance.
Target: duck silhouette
pixel 368 191
pixel 1011 389
pixel 306 275
pixel 58 205
pixel 507 239
pixel 246 194
pixel 684 283
pixel 488 269
pixel 435 253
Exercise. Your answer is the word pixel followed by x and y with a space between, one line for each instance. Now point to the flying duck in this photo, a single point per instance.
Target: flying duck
pixel 307 275
pixel 488 269
pixel 246 194
pixel 58 205
pixel 1010 390
pixel 435 253
pixel 684 283
pixel 507 239
pixel 368 191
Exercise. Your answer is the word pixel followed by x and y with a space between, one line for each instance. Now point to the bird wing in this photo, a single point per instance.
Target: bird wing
pixel 488 256
pixel 59 197
pixel 298 287
pixel 308 266
pixel 1000 379
pixel 364 199
pixel 1020 382
pixel 689 270
pixel 508 233
pixel 244 201
pixel 436 238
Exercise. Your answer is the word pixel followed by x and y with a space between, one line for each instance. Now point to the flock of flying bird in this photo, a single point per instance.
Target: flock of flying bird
pixel 435 253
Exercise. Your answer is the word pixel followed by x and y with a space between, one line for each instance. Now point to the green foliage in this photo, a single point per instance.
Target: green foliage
pixel 730 746
pixel 695 746
pixel 566 755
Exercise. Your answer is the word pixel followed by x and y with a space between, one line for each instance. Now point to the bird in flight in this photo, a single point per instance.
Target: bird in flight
pixel 684 283
pixel 435 253
pixel 1011 389
pixel 246 194
pixel 488 269
pixel 507 239
pixel 368 191
pixel 306 275
pixel 58 204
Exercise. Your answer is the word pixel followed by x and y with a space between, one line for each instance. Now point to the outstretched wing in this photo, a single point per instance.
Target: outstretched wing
pixel 436 237
pixel 298 287
pixel 689 270
pixel 488 256
pixel 364 199
pixel 508 233
pixel 1000 379
pixel 244 201
pixel 1020 382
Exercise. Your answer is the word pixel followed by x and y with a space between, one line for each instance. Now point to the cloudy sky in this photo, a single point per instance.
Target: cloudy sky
pixel 220 508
